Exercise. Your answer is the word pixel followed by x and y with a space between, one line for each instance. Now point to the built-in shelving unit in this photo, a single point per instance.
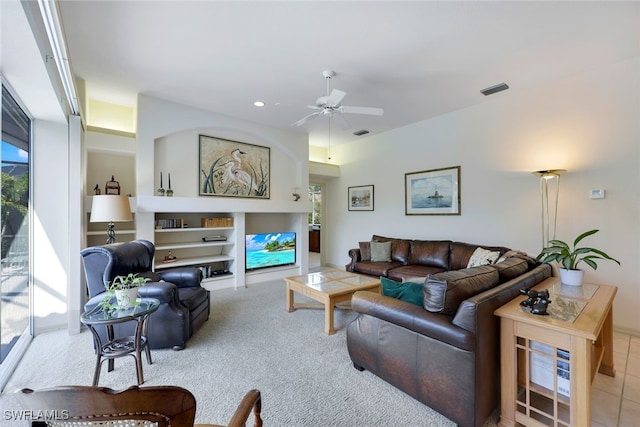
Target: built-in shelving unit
pixel 249 216
pixel 180 241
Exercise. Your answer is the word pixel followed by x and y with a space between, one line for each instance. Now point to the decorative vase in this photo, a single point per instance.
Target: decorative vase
pixel 126 297
pixel 571 277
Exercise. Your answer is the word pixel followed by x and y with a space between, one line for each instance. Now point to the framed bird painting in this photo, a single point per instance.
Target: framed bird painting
pixel 233 169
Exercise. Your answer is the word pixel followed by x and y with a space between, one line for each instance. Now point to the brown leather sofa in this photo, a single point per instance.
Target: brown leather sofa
pixel 184 303
pixel 415 258
pixel 447 358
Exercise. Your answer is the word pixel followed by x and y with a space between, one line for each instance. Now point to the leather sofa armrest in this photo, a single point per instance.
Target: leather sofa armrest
pixel 166 292
pixel 187 277
pixel 413 317
pixel 354 254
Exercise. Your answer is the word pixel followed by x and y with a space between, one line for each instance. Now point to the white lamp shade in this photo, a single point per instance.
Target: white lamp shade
pixel 110 208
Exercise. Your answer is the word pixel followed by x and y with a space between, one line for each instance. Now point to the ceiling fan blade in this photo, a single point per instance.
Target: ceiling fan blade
pixel 305 119
pixel 341 121
pixel 335 97
pixel 362 110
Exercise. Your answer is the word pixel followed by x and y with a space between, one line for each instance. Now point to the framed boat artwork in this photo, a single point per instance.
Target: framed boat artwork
pixel 433 192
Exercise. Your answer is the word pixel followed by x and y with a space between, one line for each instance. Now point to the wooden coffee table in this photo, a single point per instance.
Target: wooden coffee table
pixel 329 287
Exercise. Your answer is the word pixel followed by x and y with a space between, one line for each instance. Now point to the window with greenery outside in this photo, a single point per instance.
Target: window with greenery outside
pixel 315 197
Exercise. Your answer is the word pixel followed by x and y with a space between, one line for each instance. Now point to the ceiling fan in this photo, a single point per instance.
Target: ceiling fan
pixel 329 105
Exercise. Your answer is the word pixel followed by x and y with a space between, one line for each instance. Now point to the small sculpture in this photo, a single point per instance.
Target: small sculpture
pixel 537 301
pixel 112 187
pixel 169 258
pixel 96 190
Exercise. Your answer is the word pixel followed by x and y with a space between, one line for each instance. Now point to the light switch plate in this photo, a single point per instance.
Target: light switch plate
pixel 596 194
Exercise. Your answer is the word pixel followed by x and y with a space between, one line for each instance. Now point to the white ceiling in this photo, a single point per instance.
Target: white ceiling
pixel 413 59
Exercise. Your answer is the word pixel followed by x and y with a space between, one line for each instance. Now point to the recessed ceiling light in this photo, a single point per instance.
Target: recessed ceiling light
pixel 258 104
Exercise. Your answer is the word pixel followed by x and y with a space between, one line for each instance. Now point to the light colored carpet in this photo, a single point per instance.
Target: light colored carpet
pixel 305 377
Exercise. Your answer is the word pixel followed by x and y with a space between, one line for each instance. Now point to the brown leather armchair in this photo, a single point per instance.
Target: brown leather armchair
pixel 184 303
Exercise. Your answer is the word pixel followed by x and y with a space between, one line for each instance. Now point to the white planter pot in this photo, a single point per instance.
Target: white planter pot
pixel 571 277
pixel 126 297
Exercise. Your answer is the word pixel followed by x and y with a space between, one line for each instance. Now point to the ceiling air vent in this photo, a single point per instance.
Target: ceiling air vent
pixel 493 89
pixel 361 132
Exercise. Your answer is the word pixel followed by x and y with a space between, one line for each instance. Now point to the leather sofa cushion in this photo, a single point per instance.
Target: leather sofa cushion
pixel 375 268
pixel 399 247
pixel 433 253
pixel 511 268
pixel 407 272
pixel 443 292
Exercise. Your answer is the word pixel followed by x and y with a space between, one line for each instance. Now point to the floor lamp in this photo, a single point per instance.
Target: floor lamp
pixel 549 180
pixel 110 208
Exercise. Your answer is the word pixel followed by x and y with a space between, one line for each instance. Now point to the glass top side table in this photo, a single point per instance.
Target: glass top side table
pixel 121 346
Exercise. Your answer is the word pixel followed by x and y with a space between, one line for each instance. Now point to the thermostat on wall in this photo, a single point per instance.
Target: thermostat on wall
pixel 596 194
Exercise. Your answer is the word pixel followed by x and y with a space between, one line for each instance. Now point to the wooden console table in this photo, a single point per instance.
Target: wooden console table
pixel 549 362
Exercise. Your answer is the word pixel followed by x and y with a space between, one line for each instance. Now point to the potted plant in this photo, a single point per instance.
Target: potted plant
pixel 569 257
pixel 125 289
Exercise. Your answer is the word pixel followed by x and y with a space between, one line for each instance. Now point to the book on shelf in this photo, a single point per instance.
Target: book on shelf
pixel 542 369
pixel 170 223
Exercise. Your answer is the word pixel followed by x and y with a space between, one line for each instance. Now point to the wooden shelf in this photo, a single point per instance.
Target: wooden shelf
pixel 189 245
pixel 188 229
pixel 104 232
pixel 193 261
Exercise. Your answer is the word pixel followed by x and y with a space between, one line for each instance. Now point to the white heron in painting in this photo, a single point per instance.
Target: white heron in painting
pixel 234 175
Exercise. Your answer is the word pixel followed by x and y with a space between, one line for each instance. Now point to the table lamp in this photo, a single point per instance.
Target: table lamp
pixel 110 208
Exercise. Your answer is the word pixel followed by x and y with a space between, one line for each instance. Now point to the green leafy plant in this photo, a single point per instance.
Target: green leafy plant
pixel 131 280
pixel 570 256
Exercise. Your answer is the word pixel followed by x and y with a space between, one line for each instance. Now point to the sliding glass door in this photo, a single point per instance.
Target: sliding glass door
pixel 15 226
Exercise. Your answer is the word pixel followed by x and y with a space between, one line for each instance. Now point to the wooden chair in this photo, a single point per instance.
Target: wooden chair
pixel 168 406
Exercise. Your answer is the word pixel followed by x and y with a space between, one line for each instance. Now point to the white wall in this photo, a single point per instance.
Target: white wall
pixel 168 141
pixel 27 73
pixel 587 124
pixel 159 119
pixel 51 224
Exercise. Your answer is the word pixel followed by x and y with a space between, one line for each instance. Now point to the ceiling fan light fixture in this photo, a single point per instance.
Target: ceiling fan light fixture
pixel 258 103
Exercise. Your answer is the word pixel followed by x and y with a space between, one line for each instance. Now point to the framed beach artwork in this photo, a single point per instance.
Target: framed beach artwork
pixel 233 169
pixel 433 192
pixel 360 198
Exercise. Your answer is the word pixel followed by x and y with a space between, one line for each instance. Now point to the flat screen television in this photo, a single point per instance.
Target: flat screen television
pixel 264 250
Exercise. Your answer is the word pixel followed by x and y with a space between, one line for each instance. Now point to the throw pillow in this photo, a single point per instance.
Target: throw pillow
pixel 365 251
pixel 482 256
pixel 443 292
pixel 380 251
pixel 406 291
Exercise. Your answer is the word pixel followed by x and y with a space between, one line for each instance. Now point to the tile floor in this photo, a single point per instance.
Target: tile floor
pixel 615 402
